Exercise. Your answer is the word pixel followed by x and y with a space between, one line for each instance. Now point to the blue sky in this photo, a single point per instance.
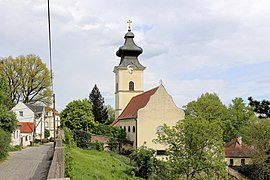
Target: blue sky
pixel 193 46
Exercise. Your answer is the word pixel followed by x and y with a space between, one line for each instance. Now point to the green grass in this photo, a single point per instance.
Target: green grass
pixel 92 164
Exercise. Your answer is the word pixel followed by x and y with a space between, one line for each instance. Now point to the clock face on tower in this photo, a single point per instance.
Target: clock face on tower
pixel 130 69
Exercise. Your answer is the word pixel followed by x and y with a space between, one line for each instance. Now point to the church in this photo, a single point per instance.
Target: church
pixel 140 113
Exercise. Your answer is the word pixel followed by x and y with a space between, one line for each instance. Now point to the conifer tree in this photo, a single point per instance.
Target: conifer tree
pixel 97 102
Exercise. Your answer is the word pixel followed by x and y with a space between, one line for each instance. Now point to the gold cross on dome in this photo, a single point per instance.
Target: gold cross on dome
pixel 129 23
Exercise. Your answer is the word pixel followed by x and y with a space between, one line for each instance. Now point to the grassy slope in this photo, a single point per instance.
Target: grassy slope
pixel 91 164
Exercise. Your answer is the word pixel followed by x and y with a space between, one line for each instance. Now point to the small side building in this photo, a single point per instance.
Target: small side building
pixel 237 153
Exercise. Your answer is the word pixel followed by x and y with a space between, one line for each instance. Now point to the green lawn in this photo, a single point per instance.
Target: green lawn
pixel 92 164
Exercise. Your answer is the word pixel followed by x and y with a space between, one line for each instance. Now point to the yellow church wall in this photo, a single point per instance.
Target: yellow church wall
pixel 237 161
pixel 160 110
pixel 122 93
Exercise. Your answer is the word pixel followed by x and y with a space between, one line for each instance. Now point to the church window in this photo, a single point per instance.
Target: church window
pixel 128 128
pixel 131 86
pixel 125 128
pixel 133 129
pixel 160 130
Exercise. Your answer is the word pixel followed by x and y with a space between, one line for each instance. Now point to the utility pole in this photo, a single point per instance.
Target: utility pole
pixel 54 133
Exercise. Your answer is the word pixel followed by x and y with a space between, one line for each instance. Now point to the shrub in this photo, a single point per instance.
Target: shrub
pixel 82 138
pixel 15 148
pixel 69 163
pixel 97 146
pixel 68 140
pixel 46 133
pixel 4 143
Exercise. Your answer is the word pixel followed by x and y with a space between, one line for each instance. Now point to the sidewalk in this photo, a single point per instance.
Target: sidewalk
pixel 30 163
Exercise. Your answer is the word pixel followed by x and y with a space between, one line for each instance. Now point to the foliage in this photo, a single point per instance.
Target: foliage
pixel 110 131
pixel 15 148
pixel 46 133
pixel 82 138
pixel 97 101
pixel 69 163
pixel 28 79
pixel 78 116
pixel 105 166
pixel 99 146
pixel 195 148
pixel 240 116
pixel 257 135
pixel 7 119
pixel 111 114
pixel 4 143
pixel 4 93
pixel 68 139
pixel 260 107
pixel 145 162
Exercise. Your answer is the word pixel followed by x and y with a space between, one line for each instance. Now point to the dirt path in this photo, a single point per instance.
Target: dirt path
pixel 30 163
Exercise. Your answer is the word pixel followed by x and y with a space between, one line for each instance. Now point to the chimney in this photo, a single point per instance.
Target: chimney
pixel 239 139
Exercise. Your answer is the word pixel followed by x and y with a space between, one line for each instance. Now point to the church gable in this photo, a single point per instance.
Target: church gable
pixel 136 103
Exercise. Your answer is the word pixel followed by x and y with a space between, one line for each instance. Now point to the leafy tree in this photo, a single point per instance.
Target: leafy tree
pixel 4 143
pixel 145 161
pixel 195 148
pixel 111 114
pixel 7 119
pixel 209 107
pixel 4 93
pixel 28 79
pixel 82 138
pixel 97 101
pixel 257 135
pixel 240 116
pixel 78 116
pixel 111 131
pixel 260 107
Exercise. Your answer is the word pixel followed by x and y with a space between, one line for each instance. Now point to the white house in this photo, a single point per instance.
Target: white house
pixel 16 136
pixel 49 120
pixel 28 113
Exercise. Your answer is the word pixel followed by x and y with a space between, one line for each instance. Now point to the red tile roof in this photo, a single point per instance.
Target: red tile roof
pixel 26 127
pixel 136 103
pixel 237 149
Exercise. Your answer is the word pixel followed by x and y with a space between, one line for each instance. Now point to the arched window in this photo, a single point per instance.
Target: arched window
pixel 131 86
pixel 125 128
pixel 133 129
pixel 128 128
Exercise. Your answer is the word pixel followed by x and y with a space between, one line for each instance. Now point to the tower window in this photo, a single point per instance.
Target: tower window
pixel 131 86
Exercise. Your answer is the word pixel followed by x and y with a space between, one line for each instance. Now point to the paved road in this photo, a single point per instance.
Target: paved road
pixel 31 163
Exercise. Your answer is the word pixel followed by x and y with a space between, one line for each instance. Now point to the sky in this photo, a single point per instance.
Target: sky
pixel 193 46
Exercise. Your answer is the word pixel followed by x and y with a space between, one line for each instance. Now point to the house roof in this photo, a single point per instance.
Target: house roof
pixel 49 109
pixel 236 148
pixel 35 108
pixel 136 103
pixel 26 127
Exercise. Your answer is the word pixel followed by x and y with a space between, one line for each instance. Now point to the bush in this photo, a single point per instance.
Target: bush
pixel 97 146
pixel 111 131
pixel 15 148
pixel 82 139
pixel 69 163
pixel 46 133
pixel 68 140
pixel 4 143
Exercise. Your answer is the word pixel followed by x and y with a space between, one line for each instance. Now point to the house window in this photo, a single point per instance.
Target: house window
pixel 131 86
pixel 26 138
pixel 21 113
pixel 243 162
pixel 128 128
pixel 133 129
pixel 161 152
pixel 231 162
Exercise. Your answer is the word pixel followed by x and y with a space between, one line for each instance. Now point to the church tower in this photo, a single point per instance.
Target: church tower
pixel 128 74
